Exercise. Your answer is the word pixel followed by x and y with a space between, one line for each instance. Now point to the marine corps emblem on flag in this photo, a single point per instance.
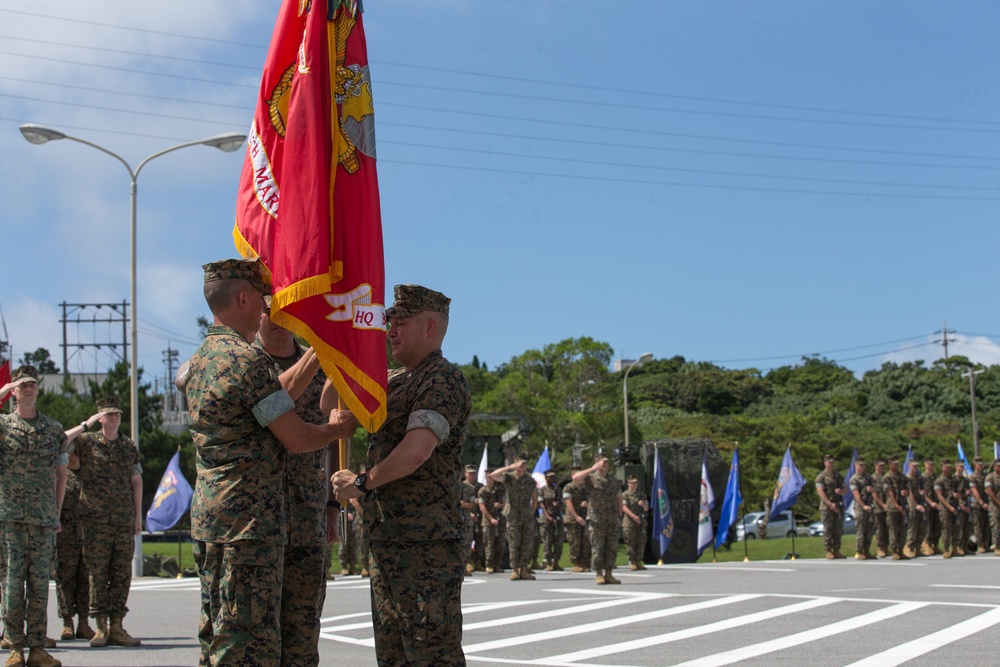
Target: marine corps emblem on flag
pixel 308 202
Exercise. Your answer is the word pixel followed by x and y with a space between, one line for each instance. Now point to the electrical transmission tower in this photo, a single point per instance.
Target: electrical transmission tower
pixel 94 314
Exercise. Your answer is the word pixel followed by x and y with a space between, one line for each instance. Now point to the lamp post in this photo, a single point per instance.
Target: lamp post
pixel 638 362
pixel 38 134
pixel 971 374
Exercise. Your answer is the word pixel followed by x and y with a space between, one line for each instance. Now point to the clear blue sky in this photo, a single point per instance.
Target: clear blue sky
pixel 734 182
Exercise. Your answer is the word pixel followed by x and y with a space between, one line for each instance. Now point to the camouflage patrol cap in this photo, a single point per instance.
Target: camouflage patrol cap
pixel 109 404
pixel 471 468
pixel 632 478
pixel 413 299
pixel 550 473
pixel 25 374
pixel 237 269
pixel 859 461
pixel 828 457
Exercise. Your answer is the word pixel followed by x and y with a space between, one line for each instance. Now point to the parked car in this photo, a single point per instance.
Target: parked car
pixel 749 527
pixel 850 527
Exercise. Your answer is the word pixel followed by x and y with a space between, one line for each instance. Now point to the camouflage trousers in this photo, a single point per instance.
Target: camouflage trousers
pixel 579 544
pixel 303 592
pixel 107 553
pixel 947 529
pixel 416 592
pixel 960 532
pixel 491 547
pixel 833 529
pixel 27 551
pixel 897 536
pixel 347 552
pixel 552 539
pixel 520 537
pixel 72 580
pixel 470 537
pixel 361 535
pixel 881 531
pixel 916 529
pixel 240 603
pixel 933 526
pixel 635 540
pixel 603 544
pixel 995 525
pixel 981 527
pixel 865 522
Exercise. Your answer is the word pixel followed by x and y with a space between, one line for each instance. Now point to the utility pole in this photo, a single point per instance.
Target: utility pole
pixel 170 357
pixel 972 395
pixel 77 313
pixel 944 340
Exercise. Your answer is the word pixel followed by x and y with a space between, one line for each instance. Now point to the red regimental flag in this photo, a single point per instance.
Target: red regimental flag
pixel 4 379
pixel 308 201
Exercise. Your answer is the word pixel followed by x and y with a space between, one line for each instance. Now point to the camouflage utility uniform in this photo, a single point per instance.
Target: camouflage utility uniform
pixel 980 516
pixel 833 522
pixel 550 497
pixel 303 583
pixel 992 483
pixel 603 519
pixel 468 494
pixel 520 519
pixel 347 550
pixel 635 533
pixel 944 485
pixel 893 483
pixel 916 527
pixel 107 518
pixel 237 513
pixel 575 495
pixel 960 499
pixel 489 497
pixel 72 582
pixel 30 452
pixel 415 525
pixel 879 514
pixel 863 483
pixel 933 531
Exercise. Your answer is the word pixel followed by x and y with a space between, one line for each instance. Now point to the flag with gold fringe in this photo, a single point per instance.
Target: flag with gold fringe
pixel 308 201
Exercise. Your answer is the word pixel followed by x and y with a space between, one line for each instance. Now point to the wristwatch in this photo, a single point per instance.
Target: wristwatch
pixel 359 483
pixel 84 425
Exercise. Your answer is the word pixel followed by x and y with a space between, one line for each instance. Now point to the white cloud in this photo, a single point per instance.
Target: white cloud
pixel 978 349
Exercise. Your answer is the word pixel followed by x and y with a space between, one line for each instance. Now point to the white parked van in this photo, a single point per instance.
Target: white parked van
pixel 749 527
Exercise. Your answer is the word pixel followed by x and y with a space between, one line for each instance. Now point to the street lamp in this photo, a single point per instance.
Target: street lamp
pixel 648 356
pixel 38 134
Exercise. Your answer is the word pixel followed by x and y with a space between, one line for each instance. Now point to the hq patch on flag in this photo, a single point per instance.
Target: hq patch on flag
pixel 172 499
pixel 308 201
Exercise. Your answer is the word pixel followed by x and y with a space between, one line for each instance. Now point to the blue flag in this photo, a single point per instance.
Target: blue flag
pixel 906 463
pixel 965 461
pixel 705 506
pixel 849 498
pixel 663 518
pixel 539 472
pixel 731 502
pixel 172 500
pixel 790 483
pixel 996 450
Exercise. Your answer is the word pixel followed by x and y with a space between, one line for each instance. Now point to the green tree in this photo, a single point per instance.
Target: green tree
pixel 40 359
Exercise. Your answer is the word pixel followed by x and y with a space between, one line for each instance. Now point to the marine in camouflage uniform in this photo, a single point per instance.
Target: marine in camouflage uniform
pixel 830 487
pixel 519 512
pixel 604 517
pixel 575 519
pixel 33 460
pixel 414 518
pixel 110 518
pixel 944 490
pixel 491 502
pixel 550 522
pixel 304 483
pixel 241 421
pixel 991 486
pixel 635 528
pixel 879 511
pixel 916 527
pixel 347 551
pixel 361 537
pixel 933 515
pixel 960 489
pixel 72 581
pixel 862 487
pixel 980 507
pixel 470 512
pixel 893 485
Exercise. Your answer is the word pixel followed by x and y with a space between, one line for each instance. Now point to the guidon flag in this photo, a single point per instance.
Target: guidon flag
pixel 308 201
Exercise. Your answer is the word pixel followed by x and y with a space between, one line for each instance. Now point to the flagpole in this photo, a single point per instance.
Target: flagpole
pixel 743 515
pixel 180 564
